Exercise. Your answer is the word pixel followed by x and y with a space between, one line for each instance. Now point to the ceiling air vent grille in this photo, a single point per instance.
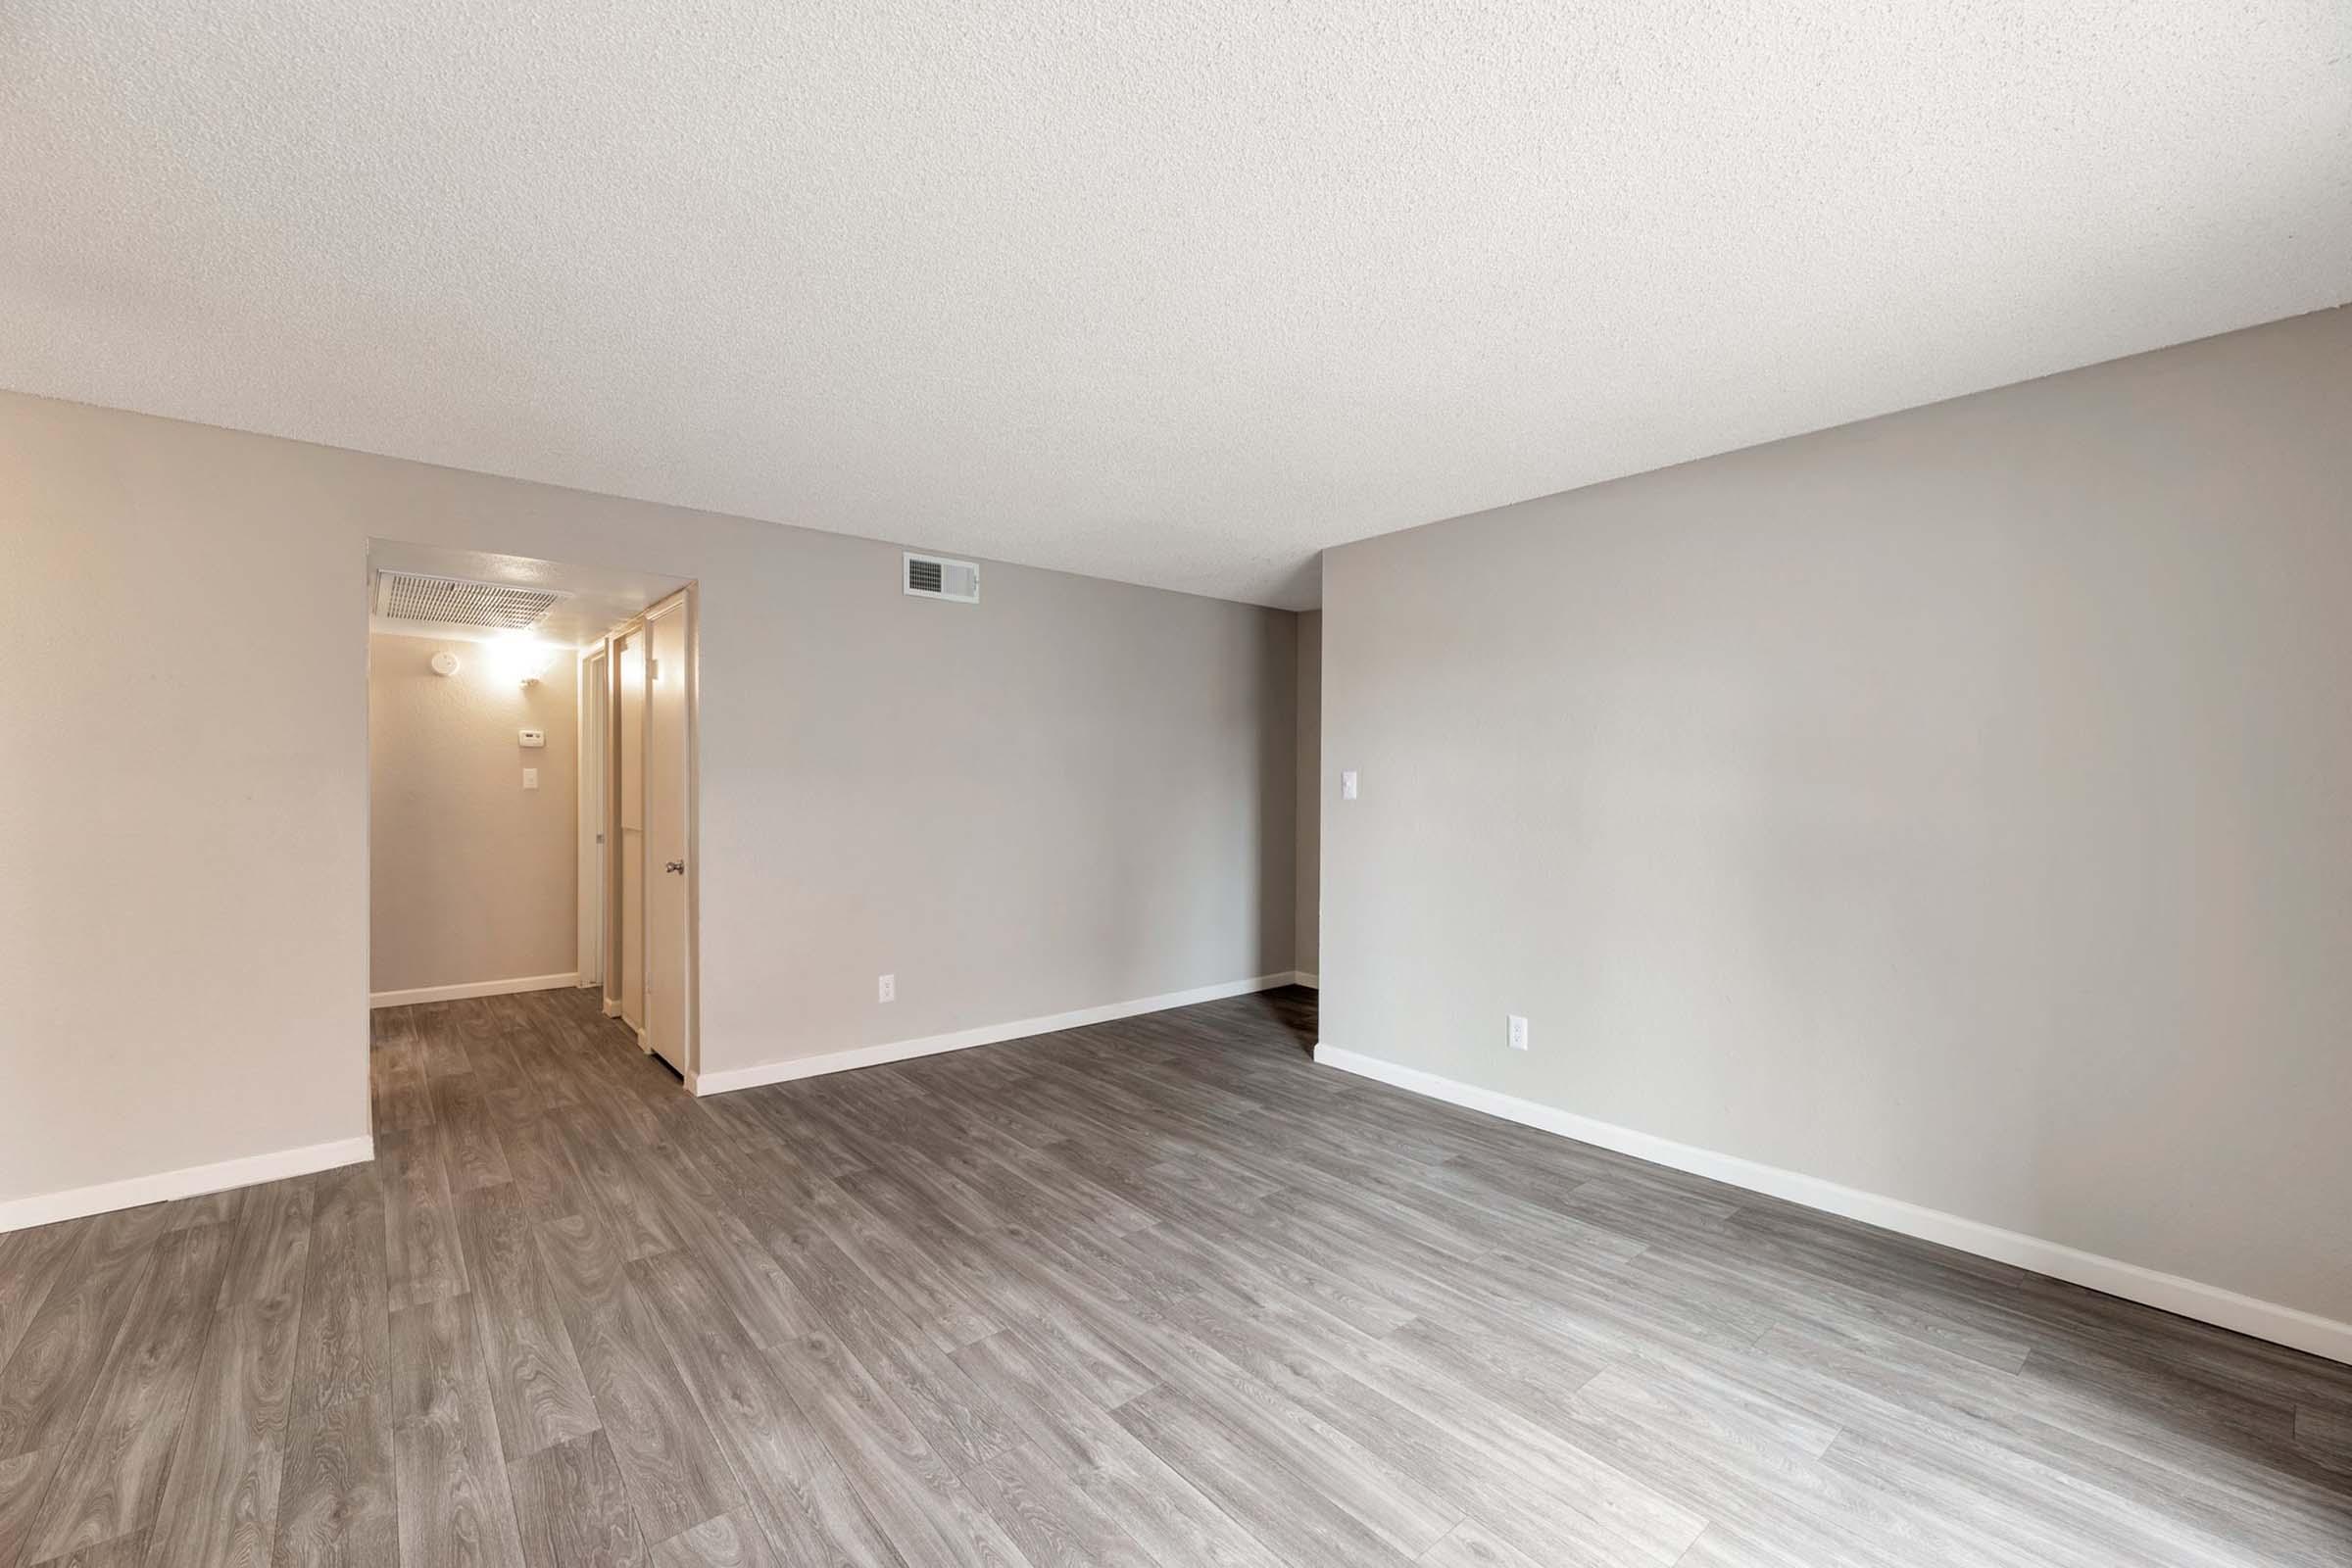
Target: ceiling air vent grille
pixel 453 601
pixel 931 578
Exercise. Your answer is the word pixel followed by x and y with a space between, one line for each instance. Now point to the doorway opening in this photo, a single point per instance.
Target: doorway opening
pixel 533 786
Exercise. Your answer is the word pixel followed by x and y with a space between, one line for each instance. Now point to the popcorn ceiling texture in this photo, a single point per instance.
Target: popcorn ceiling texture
pixel 1172 294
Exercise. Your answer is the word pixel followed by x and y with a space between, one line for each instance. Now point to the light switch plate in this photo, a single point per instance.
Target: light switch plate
pixel 1347 785
pixel 530 778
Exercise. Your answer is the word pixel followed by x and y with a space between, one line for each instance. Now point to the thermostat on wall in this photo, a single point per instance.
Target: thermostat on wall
pixel 534 737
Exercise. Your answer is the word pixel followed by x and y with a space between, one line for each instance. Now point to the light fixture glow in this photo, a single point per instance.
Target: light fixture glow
pixel 519 656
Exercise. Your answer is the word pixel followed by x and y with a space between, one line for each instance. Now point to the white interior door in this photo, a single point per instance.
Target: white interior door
pixel 666 753
pixel 632 713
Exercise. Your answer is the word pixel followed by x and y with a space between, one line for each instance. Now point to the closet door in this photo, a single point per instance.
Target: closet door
pixel 631 713
pixel 666 935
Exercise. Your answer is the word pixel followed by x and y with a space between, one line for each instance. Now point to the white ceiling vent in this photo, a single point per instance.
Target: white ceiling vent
pixel 455 602
pixel 931 578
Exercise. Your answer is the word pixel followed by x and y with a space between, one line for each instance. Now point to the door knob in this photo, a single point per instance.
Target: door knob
pixel 678 866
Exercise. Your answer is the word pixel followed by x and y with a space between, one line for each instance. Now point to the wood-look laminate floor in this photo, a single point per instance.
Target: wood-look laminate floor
pixel 1155 1294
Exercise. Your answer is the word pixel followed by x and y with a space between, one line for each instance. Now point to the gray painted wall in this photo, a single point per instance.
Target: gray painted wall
pixel 1956 806
pixel 1076 793
pixel 471 877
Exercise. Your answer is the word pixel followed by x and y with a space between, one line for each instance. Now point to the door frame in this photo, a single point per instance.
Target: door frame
pixel 617 838
pixel 689 598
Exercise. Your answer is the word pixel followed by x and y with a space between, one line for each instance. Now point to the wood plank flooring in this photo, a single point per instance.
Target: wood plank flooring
pixel 1151 1294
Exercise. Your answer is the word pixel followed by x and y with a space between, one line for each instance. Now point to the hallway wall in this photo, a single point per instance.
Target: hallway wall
pixel 471 878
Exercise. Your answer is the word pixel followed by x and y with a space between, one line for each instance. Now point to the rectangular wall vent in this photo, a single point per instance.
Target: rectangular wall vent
pixel 931 578
pixel 453 601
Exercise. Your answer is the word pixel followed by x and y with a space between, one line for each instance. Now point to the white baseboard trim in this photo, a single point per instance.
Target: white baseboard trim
pixel 2207 1303
pixel 1307 978
pixel 47 1209
pixel 776 1072
pixel 472 988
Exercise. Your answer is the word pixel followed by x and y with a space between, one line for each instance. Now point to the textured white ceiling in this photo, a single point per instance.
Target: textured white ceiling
pixel 1173 293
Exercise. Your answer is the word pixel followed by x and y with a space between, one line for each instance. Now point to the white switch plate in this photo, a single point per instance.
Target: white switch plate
pixel 1347 785
pixel 888 989
pixel 530 778
pixel 1518 1033
pixel 534 738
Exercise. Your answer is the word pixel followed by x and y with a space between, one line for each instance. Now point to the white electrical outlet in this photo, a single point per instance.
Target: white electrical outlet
pixel 1518 1033
pixel 1347 785
pixel 888 989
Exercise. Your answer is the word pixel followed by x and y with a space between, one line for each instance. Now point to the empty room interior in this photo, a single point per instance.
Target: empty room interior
pixel 1489 785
